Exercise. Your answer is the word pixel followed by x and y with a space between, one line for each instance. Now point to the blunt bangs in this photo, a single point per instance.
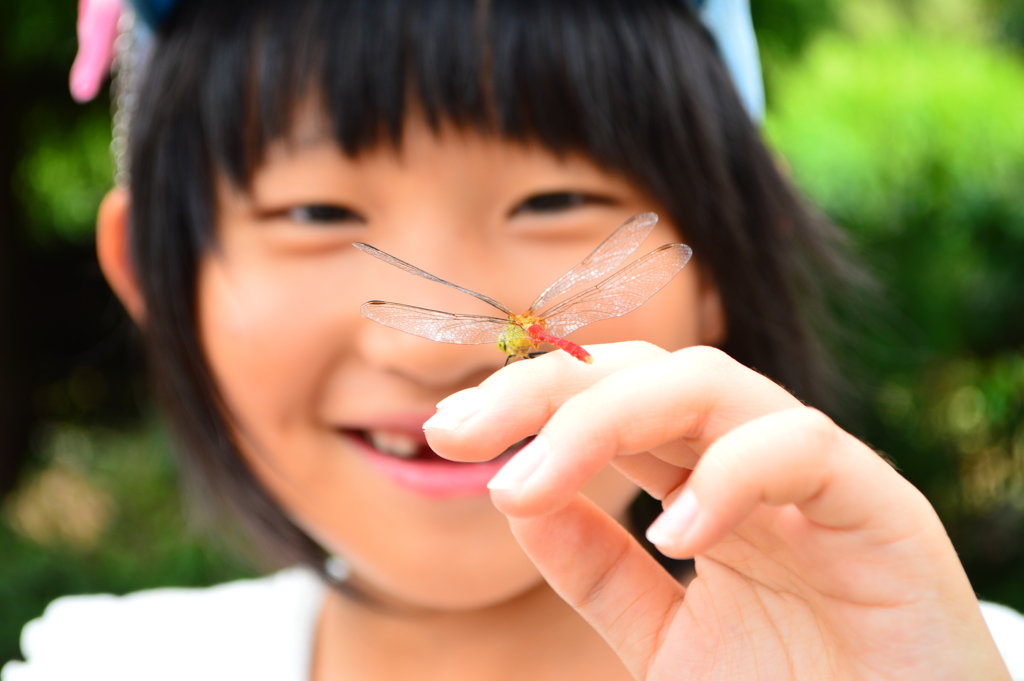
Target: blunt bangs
pixel 611 79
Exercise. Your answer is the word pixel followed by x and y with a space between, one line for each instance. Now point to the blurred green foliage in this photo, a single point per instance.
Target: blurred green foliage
pixel 910 134
pixel 100 511
pixel 38 33
pixel 64 176
pixel 903 120
pixel 63 166
pixel 785 27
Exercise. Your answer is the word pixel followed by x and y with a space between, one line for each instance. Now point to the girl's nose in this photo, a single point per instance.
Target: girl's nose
pixel 456 254
pixel 433 365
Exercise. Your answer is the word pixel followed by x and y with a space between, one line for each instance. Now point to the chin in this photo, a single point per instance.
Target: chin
pixel 445 586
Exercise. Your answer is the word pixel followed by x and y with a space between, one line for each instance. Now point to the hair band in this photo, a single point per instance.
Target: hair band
pixel 109 34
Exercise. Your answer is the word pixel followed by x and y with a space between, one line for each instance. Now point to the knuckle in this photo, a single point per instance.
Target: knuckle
pixel 820 428
pixel 602 412
pixel 814 438
pixel 709 361
pixel 727 457
pixel 709 355
pixel 644 349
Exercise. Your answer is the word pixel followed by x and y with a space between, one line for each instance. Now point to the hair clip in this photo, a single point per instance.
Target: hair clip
pixel 97 32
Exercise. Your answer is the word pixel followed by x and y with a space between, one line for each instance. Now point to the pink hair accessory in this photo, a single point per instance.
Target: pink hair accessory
pixel 97 31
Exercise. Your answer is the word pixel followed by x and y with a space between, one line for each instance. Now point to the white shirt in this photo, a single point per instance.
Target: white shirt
pixel 259 629
pixel 251 629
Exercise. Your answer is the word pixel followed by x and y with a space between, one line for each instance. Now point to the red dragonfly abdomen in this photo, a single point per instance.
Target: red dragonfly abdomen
pixel 576 351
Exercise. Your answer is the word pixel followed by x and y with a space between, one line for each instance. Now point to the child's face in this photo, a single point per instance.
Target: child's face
pixel 310 382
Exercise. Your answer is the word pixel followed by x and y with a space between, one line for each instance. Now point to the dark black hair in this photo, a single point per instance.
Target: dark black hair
pixel 635 85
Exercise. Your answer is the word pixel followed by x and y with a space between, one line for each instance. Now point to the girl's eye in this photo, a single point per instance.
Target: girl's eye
pixel 323 214
pixel 552 202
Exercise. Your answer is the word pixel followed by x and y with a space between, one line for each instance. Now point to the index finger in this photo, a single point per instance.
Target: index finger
pixel 644 399
pixel 515 402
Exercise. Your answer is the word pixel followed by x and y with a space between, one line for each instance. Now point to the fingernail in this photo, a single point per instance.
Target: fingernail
pixel 675 521
pixel 521 466
pixel 454 398
pixel 454 410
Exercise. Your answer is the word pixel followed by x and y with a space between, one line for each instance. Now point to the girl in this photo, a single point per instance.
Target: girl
pixel 495 144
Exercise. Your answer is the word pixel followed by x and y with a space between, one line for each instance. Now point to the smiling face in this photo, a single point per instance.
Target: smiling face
pixel 328 406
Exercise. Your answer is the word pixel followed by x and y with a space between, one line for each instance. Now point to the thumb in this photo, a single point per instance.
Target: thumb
pixel 605 575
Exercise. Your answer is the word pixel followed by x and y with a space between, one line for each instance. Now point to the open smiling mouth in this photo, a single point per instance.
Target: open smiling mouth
pixel 410 463
pixel 403 446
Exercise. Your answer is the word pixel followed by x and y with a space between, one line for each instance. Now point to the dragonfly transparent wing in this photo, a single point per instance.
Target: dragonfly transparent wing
pixel 623 292
pixel 603 259
pixel 443 327
pixel 412 269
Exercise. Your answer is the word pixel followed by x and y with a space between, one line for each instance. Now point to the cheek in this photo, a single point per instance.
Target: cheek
pixel 238 341
pixel 267 343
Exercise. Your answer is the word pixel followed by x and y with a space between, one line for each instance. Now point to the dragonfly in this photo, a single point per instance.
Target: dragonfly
pixel 521 335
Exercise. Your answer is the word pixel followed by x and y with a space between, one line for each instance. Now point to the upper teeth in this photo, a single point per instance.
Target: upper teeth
pixel 397 444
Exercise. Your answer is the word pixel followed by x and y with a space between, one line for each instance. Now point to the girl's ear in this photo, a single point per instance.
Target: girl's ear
pixel 712 314
pixel 114 254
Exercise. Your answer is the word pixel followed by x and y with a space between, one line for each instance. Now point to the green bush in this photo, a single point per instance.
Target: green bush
pixel 915 144
pixel 101 513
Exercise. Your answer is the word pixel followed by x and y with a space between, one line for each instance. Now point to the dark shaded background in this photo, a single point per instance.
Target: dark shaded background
pixel 903 120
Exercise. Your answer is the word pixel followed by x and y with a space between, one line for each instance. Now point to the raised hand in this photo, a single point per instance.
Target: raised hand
pixel 814 558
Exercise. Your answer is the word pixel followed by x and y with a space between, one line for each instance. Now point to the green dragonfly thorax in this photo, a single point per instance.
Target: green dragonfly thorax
pixel 515 340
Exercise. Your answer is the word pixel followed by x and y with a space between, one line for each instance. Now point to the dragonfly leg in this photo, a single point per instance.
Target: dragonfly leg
pixel 529 355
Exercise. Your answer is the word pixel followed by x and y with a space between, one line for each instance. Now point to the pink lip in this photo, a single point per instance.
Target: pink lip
pixel 435 478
